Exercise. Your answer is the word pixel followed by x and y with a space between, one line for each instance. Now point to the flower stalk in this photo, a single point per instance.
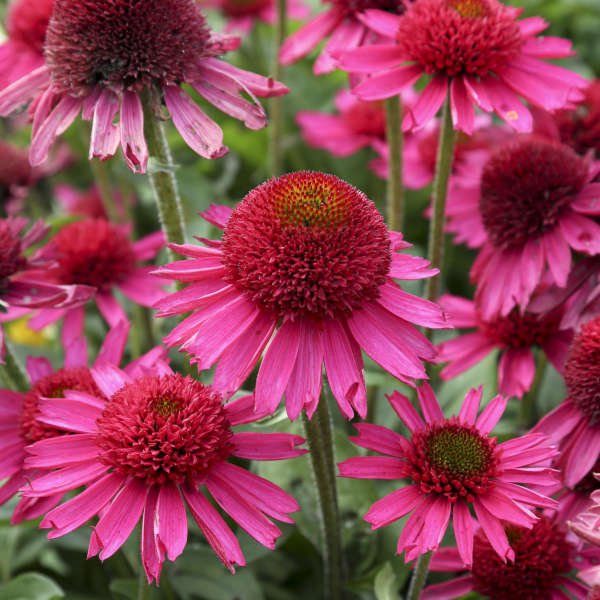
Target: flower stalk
pixel 440 190
pixel 276 104
pixel 162 178
pixel 395 189
pixel 419 576
pixel 13 372
pixel 318 432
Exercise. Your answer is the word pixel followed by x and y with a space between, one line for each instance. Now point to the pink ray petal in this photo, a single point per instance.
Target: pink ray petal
pixel 200 132
pixel 68 414
pixel 212 525
pixel 63 450
pixel 388 84
pixel 121 517
pixel 491 414
pixel 470 406
pixel 142 288
pixel 152 557
pixel 253 445
pixel 105 136
pixel 65 479
pixel 369 59
pixel 133 142
pixel 463 531
pixel 380 439
pixel 428 103
pixel 455 588
pixel 114 343
pixel 38 367
pixel 430 407
pixel 23 90
pixel 507 105
pixel 494 531
pixel 374 467
pixel 110 309
pixel 406 411
pixel 581 232
pixel 516 371
pixel 380 21
pixel 558 255
pixel 347 36
pixel 393 506
pixel 172 521
pixel 463 113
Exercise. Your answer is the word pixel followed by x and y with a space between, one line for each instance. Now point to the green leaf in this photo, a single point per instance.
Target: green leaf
pixel 386 585
pixel 31 586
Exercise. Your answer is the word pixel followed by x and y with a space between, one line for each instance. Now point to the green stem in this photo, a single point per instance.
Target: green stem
pixel 13 371
pixel 276 117
pixel 528 403
pixel 164 185
pixel 144 588
pixel 395 188
pixel 320 442
pixel 419 576
pixel 440 189
pixel 102 179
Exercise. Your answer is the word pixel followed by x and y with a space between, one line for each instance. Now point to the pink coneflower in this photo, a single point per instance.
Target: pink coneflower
pixel 579 127
pixel 514 335
pixel 543 559
pixel 477 51
pixel 311 253
pixel 346 22
pixel 358 125
pixel 532 203
pixel 19 411
pixel 86 203
pixel 23 52
pixel 100 254
pixel 100 56
pixel 140 445
pixel 454 465
pixel 574 423
pixel 242 15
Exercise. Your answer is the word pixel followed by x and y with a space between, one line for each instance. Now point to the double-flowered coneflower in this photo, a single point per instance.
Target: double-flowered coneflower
pixel 307 263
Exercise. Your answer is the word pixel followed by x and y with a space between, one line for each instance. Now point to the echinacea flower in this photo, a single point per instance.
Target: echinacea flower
pixel 310 253
pixel 578 127
pixel 241 15
pixel 101 256
pixel 454 465
pixel 23 51
pixel 529 205
pixel 344 21
pixel 19 411
pixel 543 559
pixel 475 50
pixel 101 56
pixel 358 125
pixel 515 335
pixel 574 423
pixel 148 446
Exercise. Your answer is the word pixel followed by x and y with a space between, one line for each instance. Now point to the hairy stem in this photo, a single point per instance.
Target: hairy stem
pixel 320 441
pixel 419 576
pixel 440 190
pixel 395 188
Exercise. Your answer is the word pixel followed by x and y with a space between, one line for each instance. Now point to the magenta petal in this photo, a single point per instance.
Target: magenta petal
pixel 588 200
pixel 248 517
pixel 239 359
pixel 491 414
pixel 581 232
pixel 507 105
pixel 172 521
pixel 380 439
pixel 152 557
pixel 406 411
pixel 57 122
pixel 63 450
pixel 23 90
pixel 65 479
pixel 105 134
pixel 133 142
pixel 455 588
pixel 387 84
pixel 38 367
pixel 113 345
pixel 494 531
pixel 470 406
pixel 304 386
pixel 110 309
pixel 277 366
pixel 200 132
pixel 308 36
pixel 516 371
pixel 505 509
pixel 241 410
pixel 430 407
pixel 582 456
pixel 217 533
pixel 68 414
pixel 525 495
pixel 380 21
pixel 463 113
pixel 253 445
pixel 393 506
pixel 370 59
pixel 347 36
pixel 217 215
pixel 374 467
pixel 463 531
pixel 121 517
pixel 80 509
pixel 73 340
pixel 109 378
pixel 343 373
pixel 428 103
pixel 558 255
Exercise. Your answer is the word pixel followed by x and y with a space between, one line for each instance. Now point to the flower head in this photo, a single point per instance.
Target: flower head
pixel 345 21
pixel 453 465
pixel 543 559
pixel 515 335
pixel 23 52
pixel 479 47
pixel 101 56
pixel 311 253
pixel 575 423
pixel 19 412
pixel 528 205
pixel 145 446
pixel 101 256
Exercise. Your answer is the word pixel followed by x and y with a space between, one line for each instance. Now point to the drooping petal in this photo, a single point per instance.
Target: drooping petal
pixel 133 142
pixel 172 521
